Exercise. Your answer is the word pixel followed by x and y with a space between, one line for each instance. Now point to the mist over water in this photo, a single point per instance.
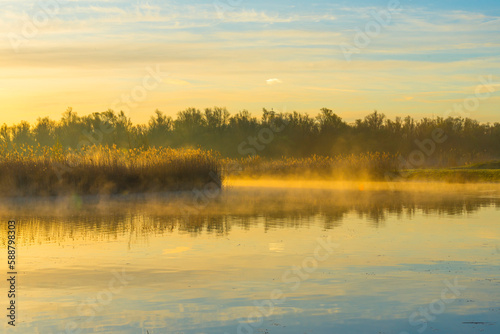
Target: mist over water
pixel 193 264
pixel 300 202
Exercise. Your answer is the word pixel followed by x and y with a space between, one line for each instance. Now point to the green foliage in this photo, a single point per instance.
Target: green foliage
pixel 369 166
pixel 327 134
pixel 454 175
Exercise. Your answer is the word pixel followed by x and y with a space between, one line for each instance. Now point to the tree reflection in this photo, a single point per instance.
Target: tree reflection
pixel 107 221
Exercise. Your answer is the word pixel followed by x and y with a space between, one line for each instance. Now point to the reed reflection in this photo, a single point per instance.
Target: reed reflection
pixel 46 222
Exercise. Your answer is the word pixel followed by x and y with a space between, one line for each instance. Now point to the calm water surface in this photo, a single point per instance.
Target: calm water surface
pixel 261 261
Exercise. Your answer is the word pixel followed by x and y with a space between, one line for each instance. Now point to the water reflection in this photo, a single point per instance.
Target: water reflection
pixel 52 221
pixel 212 270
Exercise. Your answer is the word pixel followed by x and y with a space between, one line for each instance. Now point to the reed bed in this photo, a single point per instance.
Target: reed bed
pixel 453 175
pixel 355 166
pixel 35 171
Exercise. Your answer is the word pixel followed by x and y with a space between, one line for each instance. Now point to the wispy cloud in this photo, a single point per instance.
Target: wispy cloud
pixel 263 17
pixel 274 81
pixel 219 59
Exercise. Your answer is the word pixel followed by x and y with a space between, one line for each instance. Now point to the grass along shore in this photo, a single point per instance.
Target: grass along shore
pixel 452 175
pixel 369 166
pixel 41 171
pixel 484 172
pixel 340 167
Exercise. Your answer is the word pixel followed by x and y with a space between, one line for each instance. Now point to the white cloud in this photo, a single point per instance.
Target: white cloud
pixel 263 17
pixel 273 81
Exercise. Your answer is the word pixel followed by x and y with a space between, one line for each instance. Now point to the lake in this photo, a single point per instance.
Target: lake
pixel 355 259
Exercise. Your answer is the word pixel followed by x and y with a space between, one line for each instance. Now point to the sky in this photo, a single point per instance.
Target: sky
pixel 399 57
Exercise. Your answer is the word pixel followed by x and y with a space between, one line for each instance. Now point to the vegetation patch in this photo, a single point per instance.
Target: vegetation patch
pixel 35 171
pixel 372 166
pixel 483 165
pixel 453 175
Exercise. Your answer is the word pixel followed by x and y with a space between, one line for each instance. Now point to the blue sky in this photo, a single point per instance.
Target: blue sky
pixel 243 54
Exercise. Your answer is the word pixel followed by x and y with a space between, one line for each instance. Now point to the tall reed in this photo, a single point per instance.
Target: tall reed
pixel 353 166
pixel 32 171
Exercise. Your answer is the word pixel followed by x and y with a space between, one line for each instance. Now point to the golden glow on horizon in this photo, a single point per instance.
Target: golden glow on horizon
pixel 249 60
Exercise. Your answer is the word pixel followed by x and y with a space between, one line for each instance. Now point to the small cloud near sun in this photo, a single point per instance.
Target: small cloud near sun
pixel 404 98
pixel 177 82
pixel 273 81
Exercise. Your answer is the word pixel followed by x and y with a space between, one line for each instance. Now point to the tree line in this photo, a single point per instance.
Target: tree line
pixel 430 142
